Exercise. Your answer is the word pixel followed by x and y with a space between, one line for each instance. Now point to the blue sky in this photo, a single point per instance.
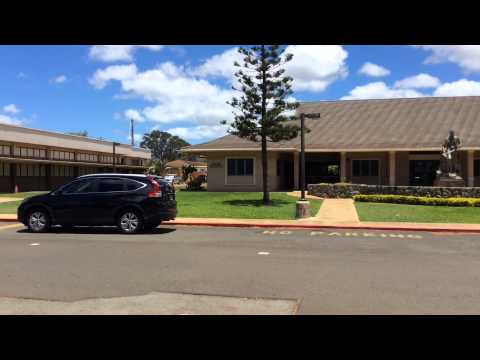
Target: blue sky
pixel 183 89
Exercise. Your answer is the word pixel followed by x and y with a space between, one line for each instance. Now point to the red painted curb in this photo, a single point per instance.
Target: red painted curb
pixel 9 220
pixel 313 226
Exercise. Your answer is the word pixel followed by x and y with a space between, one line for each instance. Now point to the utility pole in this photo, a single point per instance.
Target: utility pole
pixel 114 157
pixel 132 132
pixel 303 205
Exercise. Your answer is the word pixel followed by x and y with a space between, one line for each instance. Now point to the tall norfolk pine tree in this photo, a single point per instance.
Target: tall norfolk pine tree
pixel 261 112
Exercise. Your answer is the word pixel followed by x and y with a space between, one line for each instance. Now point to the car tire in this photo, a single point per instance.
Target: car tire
pixel 130 222
pixel 38 221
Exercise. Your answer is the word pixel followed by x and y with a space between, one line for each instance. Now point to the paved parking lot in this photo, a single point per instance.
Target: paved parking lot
pixel 324 272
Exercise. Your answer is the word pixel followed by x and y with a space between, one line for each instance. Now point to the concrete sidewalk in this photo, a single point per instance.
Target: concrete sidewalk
pixel 337 211
pixel 313 223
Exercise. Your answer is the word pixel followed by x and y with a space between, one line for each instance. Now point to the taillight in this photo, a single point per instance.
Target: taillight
pixel 156 190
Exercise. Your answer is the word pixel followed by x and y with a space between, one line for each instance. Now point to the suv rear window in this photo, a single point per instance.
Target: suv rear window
pixel 133 185
pixel 108 185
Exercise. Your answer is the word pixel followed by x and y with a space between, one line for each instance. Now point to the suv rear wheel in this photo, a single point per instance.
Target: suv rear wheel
pixel 38 221
pixel 130 222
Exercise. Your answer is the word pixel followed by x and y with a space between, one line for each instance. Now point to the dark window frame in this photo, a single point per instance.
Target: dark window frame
pixel 365 167
pixel 476 167
pixel 124 187
pixel 240 166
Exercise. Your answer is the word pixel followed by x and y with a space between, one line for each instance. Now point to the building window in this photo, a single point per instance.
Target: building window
pixel 85 170
pixel 62 171
pixel 476 167
pixel 87 157
pixel 4 169
pixel 30 170
pixel 106 159
pixel 29 152
pixel 63 155
pixel 4 150
pixel 240 167
pixel 365 167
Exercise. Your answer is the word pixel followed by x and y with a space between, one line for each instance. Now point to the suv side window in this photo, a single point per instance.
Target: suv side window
pixel 133 185
pixel 81 186
pixel 109 185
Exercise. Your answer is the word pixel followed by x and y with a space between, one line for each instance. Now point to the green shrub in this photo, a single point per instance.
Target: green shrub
pixel 417 200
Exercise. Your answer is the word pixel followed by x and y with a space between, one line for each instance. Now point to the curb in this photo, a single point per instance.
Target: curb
pixel 306 226
pixel 320 226
pixel 8 219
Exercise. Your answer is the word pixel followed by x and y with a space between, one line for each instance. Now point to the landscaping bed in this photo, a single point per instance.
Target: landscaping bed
pixel 417 200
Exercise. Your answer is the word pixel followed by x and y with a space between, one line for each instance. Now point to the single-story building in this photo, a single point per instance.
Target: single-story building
pixel 175 167
pixel 385 141
pixel 33 159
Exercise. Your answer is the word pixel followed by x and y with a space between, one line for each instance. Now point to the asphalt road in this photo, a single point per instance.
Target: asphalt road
pixel 330 272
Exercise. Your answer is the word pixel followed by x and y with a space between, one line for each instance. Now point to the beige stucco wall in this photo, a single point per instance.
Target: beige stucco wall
pixel 17 134
pixel 219 181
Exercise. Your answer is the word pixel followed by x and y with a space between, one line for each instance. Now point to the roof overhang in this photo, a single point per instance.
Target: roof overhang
pixel 472 148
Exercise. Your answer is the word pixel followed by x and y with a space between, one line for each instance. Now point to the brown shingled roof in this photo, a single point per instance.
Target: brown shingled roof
pixel 411 123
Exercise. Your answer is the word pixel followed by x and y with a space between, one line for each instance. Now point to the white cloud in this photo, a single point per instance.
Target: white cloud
pixel 5 119
pixel 111 53
pixel 462 87
pixel 59 79
pixel 21 75
pixel 199 133
pixel 315 67
pixel 11 109
pixel 465 56
pixel 113 72
pixel 134 114
pixel 374 70
pixel 379 90
pixel 220 65
pixel 137 138
pixel 176 95
pixel 418 81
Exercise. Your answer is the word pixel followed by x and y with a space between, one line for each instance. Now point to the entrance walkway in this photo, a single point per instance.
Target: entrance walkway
pixel 337 211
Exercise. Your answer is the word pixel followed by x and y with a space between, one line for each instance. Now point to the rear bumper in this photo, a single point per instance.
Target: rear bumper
pixel 163 215
pixel 161 211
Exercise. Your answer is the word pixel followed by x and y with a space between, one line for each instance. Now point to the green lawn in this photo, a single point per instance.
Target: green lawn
pixel 9 207
pixel 242 205
pixel 21 194
pixel 417 213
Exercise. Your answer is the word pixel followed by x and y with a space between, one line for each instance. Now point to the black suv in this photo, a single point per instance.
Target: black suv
pixel 132 202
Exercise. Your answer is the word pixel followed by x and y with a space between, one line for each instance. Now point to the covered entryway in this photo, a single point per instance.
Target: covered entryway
pixel 423 172
pixel 322 168
pixel 285 172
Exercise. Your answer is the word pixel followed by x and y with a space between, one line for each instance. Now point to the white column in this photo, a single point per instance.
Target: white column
pixel 343 166
pixel 470 168
pixel 391 168
pixel 296 170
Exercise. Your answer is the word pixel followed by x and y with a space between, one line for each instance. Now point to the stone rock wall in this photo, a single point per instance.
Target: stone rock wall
pixel 347 191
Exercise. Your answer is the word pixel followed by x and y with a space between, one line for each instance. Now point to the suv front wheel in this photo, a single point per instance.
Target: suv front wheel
pixel 130 222
pixel 38 221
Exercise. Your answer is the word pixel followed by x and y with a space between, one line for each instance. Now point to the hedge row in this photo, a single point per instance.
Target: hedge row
pixel 417 200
